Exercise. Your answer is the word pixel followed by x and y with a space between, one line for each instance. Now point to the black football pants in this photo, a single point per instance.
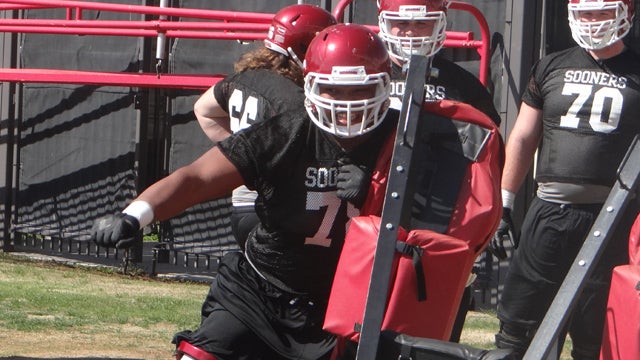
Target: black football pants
pixel 551 237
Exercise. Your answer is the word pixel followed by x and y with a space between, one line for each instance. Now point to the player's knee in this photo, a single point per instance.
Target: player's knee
pixel 187 351
pixel 585 351
pixel 514 337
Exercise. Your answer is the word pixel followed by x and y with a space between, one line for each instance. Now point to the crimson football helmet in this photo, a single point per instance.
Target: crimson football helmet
pixel 293 27
pixel 594 35
pixel 402 45
pixel 348 55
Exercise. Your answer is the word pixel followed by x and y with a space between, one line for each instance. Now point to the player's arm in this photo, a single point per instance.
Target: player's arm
pixel 209 177
pixel 522 144
pixel 213 120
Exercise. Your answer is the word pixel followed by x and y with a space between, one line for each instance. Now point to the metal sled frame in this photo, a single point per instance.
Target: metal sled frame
pixel 396 210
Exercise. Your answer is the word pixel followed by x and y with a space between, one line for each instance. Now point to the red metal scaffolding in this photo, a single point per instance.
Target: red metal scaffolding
pixel 165 22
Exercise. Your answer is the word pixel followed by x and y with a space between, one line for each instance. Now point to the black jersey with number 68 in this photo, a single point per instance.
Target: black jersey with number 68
pixel 250 97
pixel 254 95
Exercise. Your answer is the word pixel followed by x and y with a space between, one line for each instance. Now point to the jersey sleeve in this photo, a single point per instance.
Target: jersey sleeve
pixel 532 95
pixel 240 152
pixel 262 150
pixel 222 91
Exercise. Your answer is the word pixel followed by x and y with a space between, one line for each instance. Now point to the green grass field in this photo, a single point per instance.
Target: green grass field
pixel 49 310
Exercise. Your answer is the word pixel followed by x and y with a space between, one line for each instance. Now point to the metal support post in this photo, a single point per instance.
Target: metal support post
pixel 396 208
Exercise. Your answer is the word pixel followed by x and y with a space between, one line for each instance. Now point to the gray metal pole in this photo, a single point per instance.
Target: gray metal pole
pixel 8 93
pixel 396 211
pixel 521 49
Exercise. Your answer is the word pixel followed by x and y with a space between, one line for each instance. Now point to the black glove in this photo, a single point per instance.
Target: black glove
pixel 505 229
pixel 353 183
pixel 117 231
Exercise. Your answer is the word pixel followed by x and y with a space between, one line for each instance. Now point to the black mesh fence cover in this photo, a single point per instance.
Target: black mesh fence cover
pixel 76 143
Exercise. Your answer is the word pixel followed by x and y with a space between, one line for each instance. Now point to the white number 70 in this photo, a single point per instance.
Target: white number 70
pixel 571 119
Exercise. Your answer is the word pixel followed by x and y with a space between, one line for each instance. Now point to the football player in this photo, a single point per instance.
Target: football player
pixel 269 302
pixel 580 112
pixel 267 82
pixel 418 27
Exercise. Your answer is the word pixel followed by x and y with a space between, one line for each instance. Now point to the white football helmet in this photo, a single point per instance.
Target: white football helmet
pixel 401 47
pixel 594 35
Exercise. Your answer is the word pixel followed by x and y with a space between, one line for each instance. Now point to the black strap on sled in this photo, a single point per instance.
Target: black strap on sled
pixel 416 258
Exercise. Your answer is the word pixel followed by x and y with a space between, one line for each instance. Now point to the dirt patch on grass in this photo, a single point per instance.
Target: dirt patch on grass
pixel 124 342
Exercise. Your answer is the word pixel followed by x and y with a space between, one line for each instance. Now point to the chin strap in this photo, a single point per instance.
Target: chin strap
pixel 295 57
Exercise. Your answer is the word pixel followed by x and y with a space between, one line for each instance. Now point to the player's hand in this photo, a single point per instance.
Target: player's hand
pixel 505 230
pixel 353 183
pixel 117 231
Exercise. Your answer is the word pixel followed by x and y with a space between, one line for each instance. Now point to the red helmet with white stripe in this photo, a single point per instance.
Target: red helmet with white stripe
pixel 293 28
pixel 596 24
pixel 347 56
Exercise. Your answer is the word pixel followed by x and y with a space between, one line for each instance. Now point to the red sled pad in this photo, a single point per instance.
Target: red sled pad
pixel 425 286
pixel 621 336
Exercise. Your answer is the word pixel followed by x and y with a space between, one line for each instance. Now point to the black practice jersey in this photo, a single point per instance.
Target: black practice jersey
pixel 254 95
pixel 590 113
pixel 293 166
pixel 449 81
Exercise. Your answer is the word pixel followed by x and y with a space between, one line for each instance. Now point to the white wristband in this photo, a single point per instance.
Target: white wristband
pixel 508 198
pixel 140 210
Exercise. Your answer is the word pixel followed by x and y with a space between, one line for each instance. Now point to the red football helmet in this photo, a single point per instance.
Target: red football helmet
pixel 422 39
pixel 596 33
pixel 293 27
pixel 347 55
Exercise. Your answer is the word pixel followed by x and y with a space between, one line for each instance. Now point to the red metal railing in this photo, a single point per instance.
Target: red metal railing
pixel 212 24
pixel 455 39
pixel 236 25
pixel 79 6
pixel 209 24
pixel 101 78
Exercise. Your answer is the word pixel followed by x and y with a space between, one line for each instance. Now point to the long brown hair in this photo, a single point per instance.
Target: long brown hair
pixel 263 58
